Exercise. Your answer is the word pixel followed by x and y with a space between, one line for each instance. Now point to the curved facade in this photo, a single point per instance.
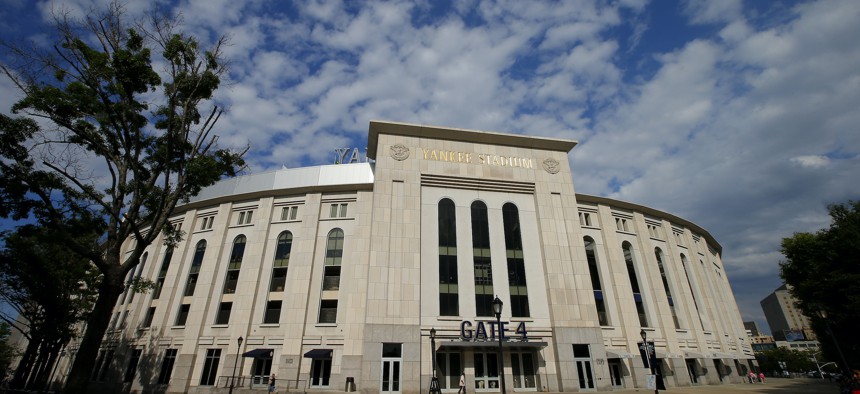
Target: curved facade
pixel 340 273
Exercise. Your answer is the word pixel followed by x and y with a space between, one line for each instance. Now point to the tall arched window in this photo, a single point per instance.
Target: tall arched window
pixel 684 263
pixel 659 255
pixel 236 256
pixel 162 273
pixel 634 283
pixel 481 259
pixel 516 263
pixel 331 279
pixel 591 256
pixel 282 261
pixel 199 251
pixel 133 275
pixel 449 297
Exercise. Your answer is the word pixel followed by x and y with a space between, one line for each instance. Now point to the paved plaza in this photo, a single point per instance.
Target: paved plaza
pixel 773 386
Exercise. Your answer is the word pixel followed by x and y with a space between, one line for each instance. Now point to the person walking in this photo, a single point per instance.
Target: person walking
pixel 751 377
pixel 272 384
pixel 462 383
pixel 761 377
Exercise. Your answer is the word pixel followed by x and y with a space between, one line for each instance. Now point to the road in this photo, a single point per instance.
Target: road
pixel 773 386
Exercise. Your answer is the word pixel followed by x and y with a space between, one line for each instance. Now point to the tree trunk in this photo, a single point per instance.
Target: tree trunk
pixel 97 324
pixel 25 365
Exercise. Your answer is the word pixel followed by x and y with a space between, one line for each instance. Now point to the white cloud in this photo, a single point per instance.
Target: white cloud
pixel 812 161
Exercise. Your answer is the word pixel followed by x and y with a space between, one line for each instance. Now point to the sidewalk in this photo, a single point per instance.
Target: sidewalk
pixel 773 386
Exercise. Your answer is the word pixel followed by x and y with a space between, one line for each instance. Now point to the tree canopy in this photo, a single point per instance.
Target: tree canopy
pixel 823 272
pixel 52 290
pixel 106 144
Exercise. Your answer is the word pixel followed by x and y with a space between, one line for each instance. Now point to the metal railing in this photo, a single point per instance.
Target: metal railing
pixel 261 382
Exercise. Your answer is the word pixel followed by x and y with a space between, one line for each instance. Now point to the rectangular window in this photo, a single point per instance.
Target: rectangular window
pixel 331 281
pixel 105 365
pixel 182 316
pixel 449 299
pixel 273 312
pixel 245 217
pixel 206 224
pixel 191 284
pixel 210 367
pixel 224 313
pixel 585 219
pixel 279 279
pixel 289 213
pixel 132 365
pixel 328 311
pixel 98 366
pixel 150 314
pixel 167 366
pixel 231 281
pixel 337 210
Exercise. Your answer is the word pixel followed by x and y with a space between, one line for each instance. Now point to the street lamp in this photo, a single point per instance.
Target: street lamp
pixel 233 376
pixel 648 357
pixel 434 381
pixel 497 309
pixel 823 315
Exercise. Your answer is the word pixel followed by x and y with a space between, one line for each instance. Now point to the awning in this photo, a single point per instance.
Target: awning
pixel 724 355
pixel 259 353
pixel 318 353
pixel 612 353
pixel 493 345
pixel 694 355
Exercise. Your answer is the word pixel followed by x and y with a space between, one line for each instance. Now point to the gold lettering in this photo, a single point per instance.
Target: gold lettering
pixel 479 158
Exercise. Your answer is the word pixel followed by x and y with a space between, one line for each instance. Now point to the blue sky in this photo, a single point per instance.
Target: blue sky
pixel 741 116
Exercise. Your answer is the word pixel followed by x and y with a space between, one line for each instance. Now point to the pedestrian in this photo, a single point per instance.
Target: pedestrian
pixel 462 383
pixel 761 377
pixel 751 376
pixel 272 384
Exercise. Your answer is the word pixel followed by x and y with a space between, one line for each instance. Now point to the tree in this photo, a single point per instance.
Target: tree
pixel 823 272
pixel 101 104
pixel 7 352
pixel 793 360
pixel 52 290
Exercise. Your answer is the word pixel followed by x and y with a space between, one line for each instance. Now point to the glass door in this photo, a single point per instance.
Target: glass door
pixel 486 372
pixel 320 372
pixel 391 361
pixel 615 374
pixel 523 367
pixel 262 369
pixel 448 369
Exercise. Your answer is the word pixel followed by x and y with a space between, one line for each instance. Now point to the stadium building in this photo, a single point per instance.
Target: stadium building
pixel 354 276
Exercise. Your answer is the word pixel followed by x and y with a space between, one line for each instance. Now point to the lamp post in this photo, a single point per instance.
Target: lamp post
pixel 823 315
pixel 233 376
pixel 650 365
pixel 497 309
pixel 434 381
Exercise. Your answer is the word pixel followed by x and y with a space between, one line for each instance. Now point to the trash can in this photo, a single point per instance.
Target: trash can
pixel 350 384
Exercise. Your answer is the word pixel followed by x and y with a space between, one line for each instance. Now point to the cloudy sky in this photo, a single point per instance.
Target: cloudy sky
pixel 741 116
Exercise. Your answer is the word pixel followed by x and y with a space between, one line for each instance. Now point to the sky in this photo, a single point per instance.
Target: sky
pixel 740 116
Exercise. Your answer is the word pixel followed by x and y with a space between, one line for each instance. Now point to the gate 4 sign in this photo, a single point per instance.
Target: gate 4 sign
pixel 481 333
